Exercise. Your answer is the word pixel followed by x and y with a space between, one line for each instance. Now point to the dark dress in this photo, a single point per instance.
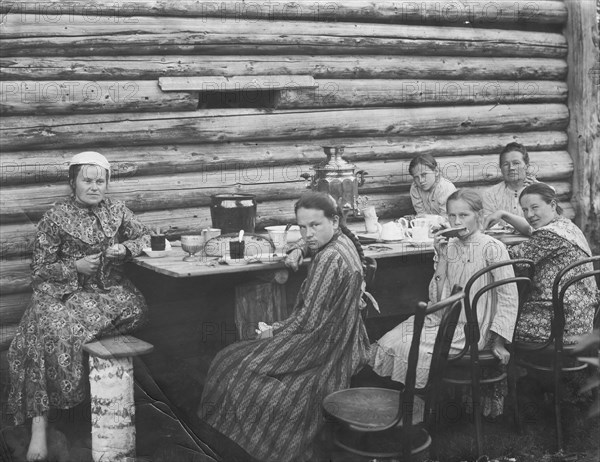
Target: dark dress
pixel 266 394
pixel 68 309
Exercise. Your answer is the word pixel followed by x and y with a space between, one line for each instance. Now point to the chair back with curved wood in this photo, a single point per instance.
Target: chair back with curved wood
pixel 381 422
pixel 471 359
pixel 555 343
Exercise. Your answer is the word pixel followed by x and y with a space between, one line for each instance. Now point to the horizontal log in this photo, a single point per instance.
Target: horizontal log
pixel 176 221
pixel 320 67
pixel 195 189
pixel 378 92
pixel 51 166
pixel 15 274
pixel 12 308
pixel 22 133
pixel 442 12
pixel 236 83
pixel 23 97
pixel 7 333
pixel 28 35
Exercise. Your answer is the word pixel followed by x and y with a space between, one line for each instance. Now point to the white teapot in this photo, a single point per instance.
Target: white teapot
pixel 393 230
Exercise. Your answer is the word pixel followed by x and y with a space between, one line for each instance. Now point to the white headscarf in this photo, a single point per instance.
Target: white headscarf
pixel 90 158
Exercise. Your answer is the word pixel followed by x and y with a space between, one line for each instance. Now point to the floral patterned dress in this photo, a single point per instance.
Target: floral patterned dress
pixel 552 248
pixel 67 308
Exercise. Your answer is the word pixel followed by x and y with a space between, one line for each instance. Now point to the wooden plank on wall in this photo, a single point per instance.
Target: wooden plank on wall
pixel 97 131
pixel 15 274
pixel 51 166
pixel 26 35
pixel 379 92
pixel 320 67
pixel 236 83
pixel 194 189
pixel 7 333
pixel 23 97
pixel 584 127
pixel 12 308
pixel 441 12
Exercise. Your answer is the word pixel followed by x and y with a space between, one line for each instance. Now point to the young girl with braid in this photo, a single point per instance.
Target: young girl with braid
pixel 266 394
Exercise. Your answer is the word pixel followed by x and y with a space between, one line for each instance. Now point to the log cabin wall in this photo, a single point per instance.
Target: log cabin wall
pixel 388 80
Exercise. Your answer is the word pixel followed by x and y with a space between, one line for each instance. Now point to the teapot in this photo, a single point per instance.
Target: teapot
pixel 393 230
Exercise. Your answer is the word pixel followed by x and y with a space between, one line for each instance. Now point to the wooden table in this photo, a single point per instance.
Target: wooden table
pixel 263 296
pixel 509 238
pixel 173 265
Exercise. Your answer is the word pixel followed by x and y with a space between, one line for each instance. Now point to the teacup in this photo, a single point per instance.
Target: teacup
pixel 419 234
pixel 209 233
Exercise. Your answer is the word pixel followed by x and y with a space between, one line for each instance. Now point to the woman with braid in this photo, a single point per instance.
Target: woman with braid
pixel 266 394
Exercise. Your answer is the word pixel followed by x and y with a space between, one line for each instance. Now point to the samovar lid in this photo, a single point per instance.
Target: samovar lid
pixel 335 161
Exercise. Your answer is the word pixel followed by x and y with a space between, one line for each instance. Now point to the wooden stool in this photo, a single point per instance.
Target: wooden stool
pixel 111 390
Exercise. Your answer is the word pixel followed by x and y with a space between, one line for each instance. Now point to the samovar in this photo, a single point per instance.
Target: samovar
pixel 338 178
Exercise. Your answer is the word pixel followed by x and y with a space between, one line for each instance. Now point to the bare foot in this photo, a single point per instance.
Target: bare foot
pixel 38 447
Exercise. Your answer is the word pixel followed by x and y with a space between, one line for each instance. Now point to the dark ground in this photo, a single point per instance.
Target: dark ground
pixel 167 430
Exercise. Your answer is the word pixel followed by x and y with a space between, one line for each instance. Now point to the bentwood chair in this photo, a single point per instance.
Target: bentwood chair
pixel 370 271
pixel 386 423
pixel 553 356
pixel 467 366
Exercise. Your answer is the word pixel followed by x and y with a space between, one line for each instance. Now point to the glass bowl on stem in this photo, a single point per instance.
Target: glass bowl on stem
pixel 192 244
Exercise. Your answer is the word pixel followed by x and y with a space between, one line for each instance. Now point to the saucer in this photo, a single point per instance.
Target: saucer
pixel 234 261
pixel 156 253
pixel 423 242
pixel 267 258
pixel 391 241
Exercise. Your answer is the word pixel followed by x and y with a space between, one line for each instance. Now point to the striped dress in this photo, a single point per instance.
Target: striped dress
pixel 266 394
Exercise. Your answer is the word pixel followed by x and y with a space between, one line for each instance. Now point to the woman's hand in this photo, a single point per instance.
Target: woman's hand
pixel 88 265
pixel 294 259
pixel 116 252
pixel 499 350
pixel 264 331
pixel 493 218
pixel 529 179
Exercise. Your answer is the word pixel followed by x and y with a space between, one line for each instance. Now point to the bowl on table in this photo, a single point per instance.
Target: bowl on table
pixel 277 234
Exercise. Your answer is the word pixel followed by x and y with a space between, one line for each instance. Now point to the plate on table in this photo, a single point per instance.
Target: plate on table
pixel 368 238
pixel 392 241
pixel 255 244
pixel 273 257
pixel 419 243
pixel 156 253
pixel 234 261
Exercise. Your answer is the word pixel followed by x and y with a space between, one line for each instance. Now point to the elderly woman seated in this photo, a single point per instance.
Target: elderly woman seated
pixel 79 293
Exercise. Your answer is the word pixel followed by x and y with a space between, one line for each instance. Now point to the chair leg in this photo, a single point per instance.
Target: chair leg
pixel 512 392
pixel 477 418
pixel 557 402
